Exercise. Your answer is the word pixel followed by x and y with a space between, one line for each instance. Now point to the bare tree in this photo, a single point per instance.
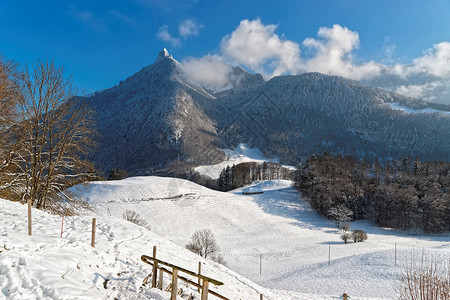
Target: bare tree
pixel 9 97
pixel 345 235
pixel 50 141
pixel 204 244
pixel 9 92
pixel 340 213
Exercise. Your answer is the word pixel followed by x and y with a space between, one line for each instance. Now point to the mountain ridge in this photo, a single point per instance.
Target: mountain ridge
pixel 158 116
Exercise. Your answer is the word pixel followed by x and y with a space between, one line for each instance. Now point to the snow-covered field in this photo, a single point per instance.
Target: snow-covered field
pixel 46 266
pixel 243 153
pixel 274 239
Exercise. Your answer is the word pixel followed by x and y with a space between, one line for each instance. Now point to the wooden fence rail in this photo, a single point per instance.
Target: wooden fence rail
pixel 203 286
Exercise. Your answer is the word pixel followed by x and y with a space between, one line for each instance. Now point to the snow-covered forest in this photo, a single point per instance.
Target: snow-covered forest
pixel 404 194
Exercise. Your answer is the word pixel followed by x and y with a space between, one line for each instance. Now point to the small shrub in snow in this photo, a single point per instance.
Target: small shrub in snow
pixel 135 218
pixel 359 235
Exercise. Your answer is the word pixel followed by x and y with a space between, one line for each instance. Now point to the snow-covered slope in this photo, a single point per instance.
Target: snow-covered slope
pixel 48 266
pixel 276 231
pixel 241 154
pixel 274 239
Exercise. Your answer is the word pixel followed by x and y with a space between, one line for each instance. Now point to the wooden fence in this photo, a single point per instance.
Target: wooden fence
pixel 202 285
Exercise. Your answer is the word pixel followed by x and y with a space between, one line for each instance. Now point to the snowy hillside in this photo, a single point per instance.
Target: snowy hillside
pixel 275 230
pixel 48 266
pixel 241 154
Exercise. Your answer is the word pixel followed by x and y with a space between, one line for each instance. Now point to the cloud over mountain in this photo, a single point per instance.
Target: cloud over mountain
pixel 333 54
pixel 259 48
pixel 209 70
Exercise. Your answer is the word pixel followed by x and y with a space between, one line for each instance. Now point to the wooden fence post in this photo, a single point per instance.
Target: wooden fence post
pixel 161 277
pixel 395 259
pixel 260 264
pixel 174 284
pixel 93 232
pixel 205 287
pixel 155 269
pixel 29 216
pixel 199 273
pixel 261 297
pixel 329 254
pixel 62 225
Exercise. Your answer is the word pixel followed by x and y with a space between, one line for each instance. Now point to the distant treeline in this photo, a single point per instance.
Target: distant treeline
pixel 245 173
pixel 230 177
pixel 404 194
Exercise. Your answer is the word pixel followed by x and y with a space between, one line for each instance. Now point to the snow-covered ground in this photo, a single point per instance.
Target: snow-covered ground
pixel 398 106
pixel 243 153
pixel 48 266
pixel 277 229
pixel 274 239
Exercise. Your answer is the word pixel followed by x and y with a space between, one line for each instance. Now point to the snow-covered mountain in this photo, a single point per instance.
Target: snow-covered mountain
pixel 152 118
pixel 158 116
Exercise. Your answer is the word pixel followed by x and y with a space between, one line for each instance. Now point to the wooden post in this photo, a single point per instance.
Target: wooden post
pixel 261 297
pixel 260 264
pixel 395 264
pixel 205 287
pixel 161 277
pixel 155 269
pixel 329 254
pixel 174 284
pixel 199 273
pixel 29 216
pixel 93 232
pixel 62 225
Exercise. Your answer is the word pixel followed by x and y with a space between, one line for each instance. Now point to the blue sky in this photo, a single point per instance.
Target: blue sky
pixel 103 42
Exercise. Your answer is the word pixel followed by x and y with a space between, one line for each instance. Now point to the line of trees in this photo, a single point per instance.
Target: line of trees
pixel 403 194
pixel 46 133
pixel 245 173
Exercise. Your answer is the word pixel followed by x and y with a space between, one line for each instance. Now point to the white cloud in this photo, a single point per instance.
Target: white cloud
pixel 435 61
pixel 413 90
pixel 210 71
pixel 389 49
pixel 164 35
pixel 87 17
pixel 426 91
pixel 258 47
pixel 333 54
pixel 123 18
pixel 189 27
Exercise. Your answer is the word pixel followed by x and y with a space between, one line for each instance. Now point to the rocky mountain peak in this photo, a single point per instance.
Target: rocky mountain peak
pixel 163 54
